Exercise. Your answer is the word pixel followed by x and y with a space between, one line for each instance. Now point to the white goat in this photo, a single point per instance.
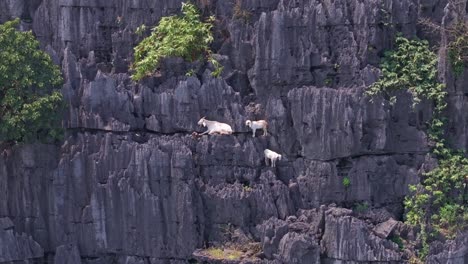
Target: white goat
pixel 273 156
pixel 215 127
pixel 260 124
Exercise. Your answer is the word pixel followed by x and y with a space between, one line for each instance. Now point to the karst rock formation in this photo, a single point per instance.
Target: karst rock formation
pixel 129 184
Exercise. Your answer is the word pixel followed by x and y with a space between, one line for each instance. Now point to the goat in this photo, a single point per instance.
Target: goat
pixel 260 124
pixel 215 127
pixel 273 156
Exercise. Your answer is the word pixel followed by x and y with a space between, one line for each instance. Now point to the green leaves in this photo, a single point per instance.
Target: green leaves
pixel 29 108
pixel 346 182
pixel 458 47
pixel 184 36
pixel 439 203
pixel 412 66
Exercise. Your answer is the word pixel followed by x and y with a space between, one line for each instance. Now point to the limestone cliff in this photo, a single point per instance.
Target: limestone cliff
pixel 131 185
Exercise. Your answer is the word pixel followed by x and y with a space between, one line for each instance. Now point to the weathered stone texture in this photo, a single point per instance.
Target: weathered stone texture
pixel 129 185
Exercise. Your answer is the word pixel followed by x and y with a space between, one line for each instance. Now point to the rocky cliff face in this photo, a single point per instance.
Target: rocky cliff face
pixel 131 185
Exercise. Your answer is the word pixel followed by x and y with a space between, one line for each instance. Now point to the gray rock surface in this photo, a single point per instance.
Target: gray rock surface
pixel 67 254
pixel 384 229
pixel 453 252
pixel 16 246
pixel 347 238
pixel 129 185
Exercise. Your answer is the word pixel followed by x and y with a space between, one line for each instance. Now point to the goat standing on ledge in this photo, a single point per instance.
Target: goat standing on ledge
pixel 260 124
pixel 215 127
pixel 273 156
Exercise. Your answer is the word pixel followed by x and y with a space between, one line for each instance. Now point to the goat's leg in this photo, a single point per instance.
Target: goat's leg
pixel 225 132
pixel 253 132
pixel 265 132
pixel 273 161
pixel 204 133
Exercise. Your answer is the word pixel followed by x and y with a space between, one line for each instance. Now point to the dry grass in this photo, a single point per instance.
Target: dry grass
pixel 218 253
pixel 240 12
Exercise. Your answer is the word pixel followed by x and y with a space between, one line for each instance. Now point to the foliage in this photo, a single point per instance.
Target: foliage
pixel 190 72
pixel 184 36
pixel 458 47
pixel 439 201
pixel 361 207
pixel 240 13
pixel 397 240
pixel 346 182
pixel 218 68
pixel 412 66
pixel 29 108
pixel 456 34
pixel 247 188
pixel 140 30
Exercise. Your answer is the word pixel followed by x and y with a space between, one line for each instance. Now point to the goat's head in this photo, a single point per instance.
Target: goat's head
pixel 202 122
pixel 248 123
pixel 279 157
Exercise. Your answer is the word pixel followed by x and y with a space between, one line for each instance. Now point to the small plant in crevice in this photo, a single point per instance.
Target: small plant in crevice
pixel 346 182
pixel 119 20
pixel 361 207
pixel 456 35
pixel 140 30
pixel 184 36
pixel 458 47
pixel 218 68
pixel 398 240
pixel 438 204
pixel 190 72
pixel 240 13
pixel 336 66
pixel 247 188
pixel 385 17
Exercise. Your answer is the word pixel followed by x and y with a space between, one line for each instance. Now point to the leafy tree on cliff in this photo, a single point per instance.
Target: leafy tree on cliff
pixel 184 36
pixel 29 106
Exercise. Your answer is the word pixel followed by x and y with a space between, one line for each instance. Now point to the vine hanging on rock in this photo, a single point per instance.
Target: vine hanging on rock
pixel 438 204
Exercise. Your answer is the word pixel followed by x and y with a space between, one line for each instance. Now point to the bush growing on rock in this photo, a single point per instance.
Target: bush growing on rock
pixel 346 182
pixel 438 204
pixel 184 36
pixel 456 35
pixel 30 108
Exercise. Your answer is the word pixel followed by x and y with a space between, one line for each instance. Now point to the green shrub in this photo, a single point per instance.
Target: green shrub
pixel 140 30
pixel 397 240
pixel 412 66
pixel 361 207
pixel 184 36
pixel 241 13
pixel 30 108
pixel 346 182
pixel 439 201
pixel 458 47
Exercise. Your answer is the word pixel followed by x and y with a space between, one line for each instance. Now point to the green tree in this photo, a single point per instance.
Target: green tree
pixel 184 36
pixel 30 107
